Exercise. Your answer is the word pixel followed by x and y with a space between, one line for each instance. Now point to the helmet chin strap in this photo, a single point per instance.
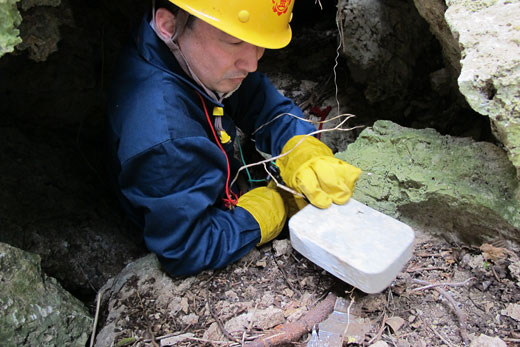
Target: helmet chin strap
pixel 181 18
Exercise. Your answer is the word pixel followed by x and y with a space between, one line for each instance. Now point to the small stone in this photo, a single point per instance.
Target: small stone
pixel 190 319
pixel 184 305
pixel 288 292
pixel 513 311
pixel 231 295
pixel 282 247
pixel 487 341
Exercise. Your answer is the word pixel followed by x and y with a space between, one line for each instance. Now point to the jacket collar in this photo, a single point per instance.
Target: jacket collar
pixel 152 49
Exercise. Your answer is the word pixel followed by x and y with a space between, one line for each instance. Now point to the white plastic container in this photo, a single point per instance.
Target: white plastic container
pixel 359 245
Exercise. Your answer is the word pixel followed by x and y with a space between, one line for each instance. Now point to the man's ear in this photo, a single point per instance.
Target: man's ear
pixel 165 23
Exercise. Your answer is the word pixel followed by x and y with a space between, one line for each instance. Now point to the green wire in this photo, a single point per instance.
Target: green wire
pixel 250 179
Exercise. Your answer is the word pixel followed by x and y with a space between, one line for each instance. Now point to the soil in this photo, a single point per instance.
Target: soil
pixel 481 286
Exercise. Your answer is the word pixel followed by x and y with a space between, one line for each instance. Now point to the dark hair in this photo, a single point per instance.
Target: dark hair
pixel 173 9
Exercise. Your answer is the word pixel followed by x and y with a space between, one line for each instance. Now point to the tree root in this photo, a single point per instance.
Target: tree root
pixel 289 332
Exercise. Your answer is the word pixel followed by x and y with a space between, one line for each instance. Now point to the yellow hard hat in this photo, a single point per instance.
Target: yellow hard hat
pixel 263 23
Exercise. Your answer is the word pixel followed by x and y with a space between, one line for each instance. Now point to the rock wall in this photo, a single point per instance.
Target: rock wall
pixel 486 35
pixel 456 187
pixel 382 41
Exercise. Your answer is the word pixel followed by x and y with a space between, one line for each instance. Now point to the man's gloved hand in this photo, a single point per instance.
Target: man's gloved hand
pixel 267 207
pixel 311 169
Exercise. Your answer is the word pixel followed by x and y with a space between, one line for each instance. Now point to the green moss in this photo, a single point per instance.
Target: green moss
pixel 10 18
pixel 454 184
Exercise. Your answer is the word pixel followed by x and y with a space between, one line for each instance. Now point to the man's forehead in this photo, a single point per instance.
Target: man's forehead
pixel 215 32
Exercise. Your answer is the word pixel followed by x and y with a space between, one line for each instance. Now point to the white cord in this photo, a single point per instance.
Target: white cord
pixel 339 24
pixel 263 162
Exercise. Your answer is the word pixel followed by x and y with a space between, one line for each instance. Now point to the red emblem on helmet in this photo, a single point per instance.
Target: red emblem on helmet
pixel 281 6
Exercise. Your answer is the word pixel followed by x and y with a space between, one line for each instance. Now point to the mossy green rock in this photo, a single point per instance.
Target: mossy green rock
pixel 35 309
pixel 462 189
pixel 9 20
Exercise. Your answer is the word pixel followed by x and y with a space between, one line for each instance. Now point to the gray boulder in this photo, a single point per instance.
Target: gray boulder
pixel 487 36
pixel 36 310
pixel 455 187
pixel 382 41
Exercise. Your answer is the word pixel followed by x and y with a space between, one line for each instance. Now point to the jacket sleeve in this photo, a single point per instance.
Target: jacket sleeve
pixel 273 118
pixel 177 186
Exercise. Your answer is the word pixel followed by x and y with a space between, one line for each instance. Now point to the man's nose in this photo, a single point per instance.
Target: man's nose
pixel 249 57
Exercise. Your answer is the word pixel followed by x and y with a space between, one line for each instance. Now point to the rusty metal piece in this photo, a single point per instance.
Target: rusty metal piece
pixel 289 332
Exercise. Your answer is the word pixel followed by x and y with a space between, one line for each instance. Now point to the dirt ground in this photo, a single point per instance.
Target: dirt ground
pixel 477 292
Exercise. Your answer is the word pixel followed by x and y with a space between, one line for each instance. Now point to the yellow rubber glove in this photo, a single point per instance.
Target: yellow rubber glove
pixel 311 169
pixel 267 207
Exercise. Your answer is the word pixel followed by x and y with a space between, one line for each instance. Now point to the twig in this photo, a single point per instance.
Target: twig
pixel 427 255
pixel 292 331
pixel 284 273
pixel 226 333
pixel 495 274
pixel 250 325
pixel 430 268
pixel 443 284
pixel 152 335
pixel 380 332
pixel 443 339
pixel 227 343
pixel 96 317
pixel 508 339
pixel 458 312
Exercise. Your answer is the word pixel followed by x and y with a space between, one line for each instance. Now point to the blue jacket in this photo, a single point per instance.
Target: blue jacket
pixel 169 172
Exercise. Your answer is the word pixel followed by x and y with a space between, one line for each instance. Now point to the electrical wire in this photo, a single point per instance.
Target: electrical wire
pixel 301 118
pixel 231 199
pixel 263 162
pixel 249 178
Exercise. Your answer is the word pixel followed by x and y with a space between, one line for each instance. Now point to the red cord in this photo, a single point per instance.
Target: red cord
pixel 231 199
pixel 322 113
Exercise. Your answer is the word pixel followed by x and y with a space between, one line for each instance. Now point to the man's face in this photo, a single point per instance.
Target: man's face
pixel 219 60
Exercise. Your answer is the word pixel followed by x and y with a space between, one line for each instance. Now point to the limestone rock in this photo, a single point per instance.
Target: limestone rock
pixel 382 41
pixel 36 310
pixel 485 35
pixel 489 35
pixel 462 189
pixel 9 20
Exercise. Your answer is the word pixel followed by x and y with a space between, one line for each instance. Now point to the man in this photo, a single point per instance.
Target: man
pixel 181 87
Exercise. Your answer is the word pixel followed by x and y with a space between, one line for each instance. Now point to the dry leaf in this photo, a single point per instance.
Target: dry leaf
pixel 395 323
pixel 261 263
pixel 491 252
pixel 173 340
pixel 357 330
pixel 513 311
pixel 185 307
pixel 288 292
